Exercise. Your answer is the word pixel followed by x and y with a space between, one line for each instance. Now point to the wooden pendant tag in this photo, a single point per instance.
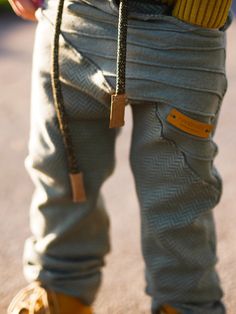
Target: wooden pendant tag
pixel 77 185
pixel 117 113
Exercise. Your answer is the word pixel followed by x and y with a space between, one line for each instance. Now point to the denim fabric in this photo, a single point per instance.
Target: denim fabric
pixel 170 64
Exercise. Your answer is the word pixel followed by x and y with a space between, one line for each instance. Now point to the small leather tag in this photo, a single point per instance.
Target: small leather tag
pixel 117 113
pixel 77 185
pixel 189 125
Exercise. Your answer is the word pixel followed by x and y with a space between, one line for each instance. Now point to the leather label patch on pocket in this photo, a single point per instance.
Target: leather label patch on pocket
pixel 189 125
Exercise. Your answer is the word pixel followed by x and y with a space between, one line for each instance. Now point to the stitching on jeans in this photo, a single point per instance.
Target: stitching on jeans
pixel 194 173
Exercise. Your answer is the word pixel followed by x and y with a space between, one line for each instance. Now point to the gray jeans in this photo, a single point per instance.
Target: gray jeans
pixel 170 64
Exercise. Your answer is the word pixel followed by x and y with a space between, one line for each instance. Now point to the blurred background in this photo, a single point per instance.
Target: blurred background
pixel 123 283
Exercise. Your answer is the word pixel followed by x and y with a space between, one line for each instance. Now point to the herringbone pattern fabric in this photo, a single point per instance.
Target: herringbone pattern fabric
pixel 178 236
pixel 177 185
pixel 69 240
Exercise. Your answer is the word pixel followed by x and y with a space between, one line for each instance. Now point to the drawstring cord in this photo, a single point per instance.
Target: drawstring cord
pixel 118 100
pixel 76 177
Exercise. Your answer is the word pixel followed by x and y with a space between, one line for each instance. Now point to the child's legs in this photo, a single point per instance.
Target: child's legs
pixel 69 240
pixel 176 195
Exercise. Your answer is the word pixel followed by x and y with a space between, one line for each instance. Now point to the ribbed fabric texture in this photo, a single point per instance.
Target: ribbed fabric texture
pixel 205 13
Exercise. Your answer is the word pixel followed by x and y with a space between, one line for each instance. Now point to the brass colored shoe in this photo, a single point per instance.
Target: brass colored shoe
pixel 167 309
pixel 34 299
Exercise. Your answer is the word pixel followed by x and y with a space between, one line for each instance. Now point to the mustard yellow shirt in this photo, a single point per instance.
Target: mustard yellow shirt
pixel 205 13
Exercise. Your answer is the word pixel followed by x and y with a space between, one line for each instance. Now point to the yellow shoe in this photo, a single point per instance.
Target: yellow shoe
pixel 167 309
pixel 34 299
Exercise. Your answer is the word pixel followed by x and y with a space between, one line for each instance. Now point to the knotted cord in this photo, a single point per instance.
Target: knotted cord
pixel 76 177
pixel 121 46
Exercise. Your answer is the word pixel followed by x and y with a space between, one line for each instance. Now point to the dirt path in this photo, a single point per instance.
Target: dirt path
pixel 122 290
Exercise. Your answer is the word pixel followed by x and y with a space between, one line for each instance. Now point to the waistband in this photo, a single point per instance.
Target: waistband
pixel 136 8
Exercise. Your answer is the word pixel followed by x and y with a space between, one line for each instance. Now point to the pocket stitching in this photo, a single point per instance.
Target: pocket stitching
pixel 192 171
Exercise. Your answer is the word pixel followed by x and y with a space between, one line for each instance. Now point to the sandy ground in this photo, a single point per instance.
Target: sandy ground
pixel 123 284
